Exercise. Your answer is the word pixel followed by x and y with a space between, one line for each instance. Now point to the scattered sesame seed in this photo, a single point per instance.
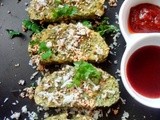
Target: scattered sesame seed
pixel 2 4
pixel 5 100
pixel 24 109
pixel 46 115
pixel 15 115
pixel 5 118
pixel 9 12
pixel 26 4
pixel 123 100
pixel 125 116
pixel 115 61
pixel 17 101
pixel 32 115
pixel 105 6
pixel 33 75
pixel 21 82
pixel 17 65
pixel 14 103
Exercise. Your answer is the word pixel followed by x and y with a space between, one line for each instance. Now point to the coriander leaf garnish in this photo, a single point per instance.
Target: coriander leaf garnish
pixel 105 28
pixel 47 55
pixel 34 42
pixel 46 52
pixel 87 24
pixel 43 47
pixel 85 71
pixel 13 33
pixel 33 85
pixel 31 26
pixel 66 10
pixel 57 2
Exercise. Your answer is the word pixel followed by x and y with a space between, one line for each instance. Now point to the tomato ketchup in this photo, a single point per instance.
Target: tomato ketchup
pixel 144 18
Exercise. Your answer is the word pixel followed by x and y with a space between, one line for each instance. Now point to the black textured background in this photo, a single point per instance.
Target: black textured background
pixel 13 51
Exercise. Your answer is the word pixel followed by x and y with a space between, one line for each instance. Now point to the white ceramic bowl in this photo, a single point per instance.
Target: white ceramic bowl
pixel 124 14
pixel 135 41
pixel 153 39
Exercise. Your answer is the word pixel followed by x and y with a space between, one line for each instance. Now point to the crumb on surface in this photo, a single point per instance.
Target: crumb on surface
pixel 2 4
pixel 15 115
pixel 28 92
pixel 21 82
pixel 112 3
pixel 17 65
pixel 125 116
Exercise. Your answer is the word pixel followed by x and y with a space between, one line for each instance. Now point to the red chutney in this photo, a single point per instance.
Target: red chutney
pixel 143 71
pixel 144 18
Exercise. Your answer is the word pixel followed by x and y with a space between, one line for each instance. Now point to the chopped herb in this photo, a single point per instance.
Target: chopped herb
pixel 85 71
pixel 104 27
pixel 13 33
pixel 66 10
pixel 57 2
pixel 34 42
pixel 87 24
pixel 47 55
pixel 43 47
pixel 31 26
pixel 46 52
pixel 33 85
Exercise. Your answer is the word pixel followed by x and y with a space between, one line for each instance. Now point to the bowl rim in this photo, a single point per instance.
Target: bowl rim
pixel 125 9
pixel 150 102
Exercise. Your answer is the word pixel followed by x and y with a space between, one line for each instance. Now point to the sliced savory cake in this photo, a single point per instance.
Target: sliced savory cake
pixel 55 10
pixel 64 116
pixel 66 43
pixel 81 86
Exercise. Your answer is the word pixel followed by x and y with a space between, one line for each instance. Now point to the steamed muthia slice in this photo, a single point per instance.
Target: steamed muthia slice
pixel 66 43
pixel 63 116
pixel 60 89
pixel 59 10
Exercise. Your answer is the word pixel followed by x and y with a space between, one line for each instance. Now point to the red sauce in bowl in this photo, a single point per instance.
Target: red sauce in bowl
pixel 143 71
pixel 144 18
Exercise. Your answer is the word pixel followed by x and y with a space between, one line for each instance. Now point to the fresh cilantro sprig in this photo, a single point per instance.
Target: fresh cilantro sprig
pixel 13 33
pixel 34 42
pixel 46 52
pixel 85 71
pixel 58 2
pixel 87 24
pixel 29 25
pixel 66 10
pixel 105 28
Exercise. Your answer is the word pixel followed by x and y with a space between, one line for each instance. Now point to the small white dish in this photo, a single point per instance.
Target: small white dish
pixel 153 39
pixel 124 14
pixel 135 41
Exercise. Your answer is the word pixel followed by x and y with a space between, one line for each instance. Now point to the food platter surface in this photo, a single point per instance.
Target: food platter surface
pixel 15 66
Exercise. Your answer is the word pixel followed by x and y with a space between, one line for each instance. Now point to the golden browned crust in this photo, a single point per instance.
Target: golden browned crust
pixel 69 43
pixel 44 11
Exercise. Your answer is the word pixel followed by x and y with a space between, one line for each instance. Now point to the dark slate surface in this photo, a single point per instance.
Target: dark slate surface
pixel 13 51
